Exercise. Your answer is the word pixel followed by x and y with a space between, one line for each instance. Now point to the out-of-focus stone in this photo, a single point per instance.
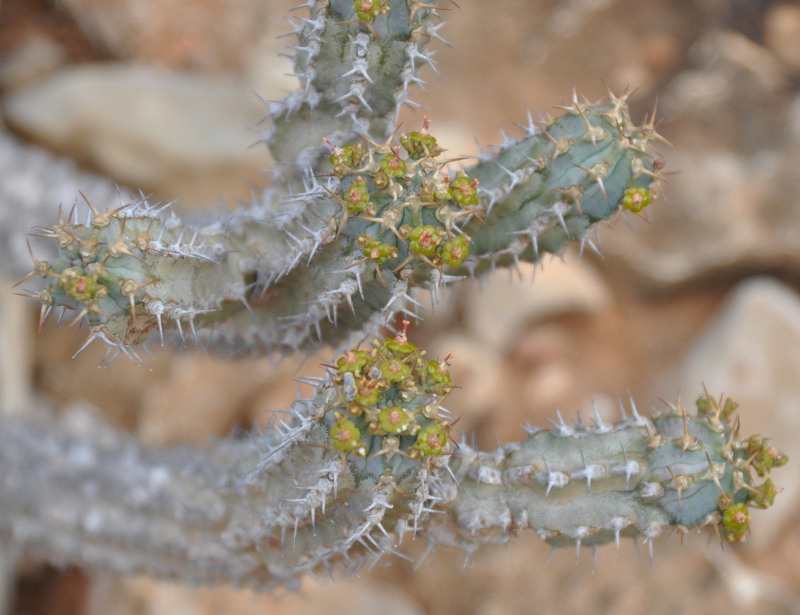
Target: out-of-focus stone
pixel 209 34
pixel 201 398
pixel 549 385
pixel 170 132
pixel 145 596
pixel 498 308
pixel 751 351
pixel 728 213
pixel 734 118
pixel 36 57
pixel 782 34
pixel 478 370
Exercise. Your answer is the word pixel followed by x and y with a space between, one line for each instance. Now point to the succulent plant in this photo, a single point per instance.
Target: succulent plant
pixel 356 218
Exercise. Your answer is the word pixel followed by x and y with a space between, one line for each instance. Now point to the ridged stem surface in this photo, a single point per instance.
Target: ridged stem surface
pixel 265 511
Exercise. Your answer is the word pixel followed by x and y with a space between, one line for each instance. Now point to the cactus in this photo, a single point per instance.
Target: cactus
pixel 349 475
pixel 361 241
pixel 357 217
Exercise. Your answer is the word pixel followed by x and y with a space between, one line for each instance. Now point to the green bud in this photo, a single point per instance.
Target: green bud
pixel 735 521
pixel 431 440
pixel 394 420
pixel 464 191
pixel 455 250
pixel 636 199
pixel 346 437
pixel 394 370
pixel 425 239
pixel 393 166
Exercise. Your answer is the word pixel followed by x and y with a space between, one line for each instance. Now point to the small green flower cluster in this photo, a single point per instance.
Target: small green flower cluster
pixel 420 144
pixel 637 198
pixel 392 391
pixel 82 288
pixel 464 191
pixel 345 158
pixel 356 198
pixel 413 206
pixel 368 10
pixel 376 251
pixel 430 241
pixel 755 453
pixel 92 276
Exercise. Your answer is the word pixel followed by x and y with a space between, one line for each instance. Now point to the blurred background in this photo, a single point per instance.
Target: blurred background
pixel 160 96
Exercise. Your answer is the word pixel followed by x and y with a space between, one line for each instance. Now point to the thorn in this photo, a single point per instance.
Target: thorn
pixel 77 319
pixel 638 418
pixel 180 331
pixel 600 425
pixel 86 344
pixel 680 483
pixel 43 314
pixel 560 215
pixel 629 469
pixel 688 441
pixel 622 408
pixel 160 327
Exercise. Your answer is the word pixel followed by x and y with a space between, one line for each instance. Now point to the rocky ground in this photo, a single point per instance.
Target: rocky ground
pixel 705 292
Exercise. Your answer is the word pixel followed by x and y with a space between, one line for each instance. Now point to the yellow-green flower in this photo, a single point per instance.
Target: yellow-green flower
pixel 368 392
pixel 636 199
pixel 393 166
pixel 735 520
pixel 394 370
pixel 425 239
pixel 84 288
pixel 464 190
pixel 420 144
pixel 352 361
pixel 394 420
pixel 368 10
pixel 455 250
pixel 356 197
pixel 431 440
pixel 346 436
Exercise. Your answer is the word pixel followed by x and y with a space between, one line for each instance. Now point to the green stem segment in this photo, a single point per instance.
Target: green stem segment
pixel 387 219
pixel 263 514
pixel 591 485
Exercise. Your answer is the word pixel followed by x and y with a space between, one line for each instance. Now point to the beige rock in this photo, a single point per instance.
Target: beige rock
pixel 212 34
pixel 200 399
pixel 782 33
pixel 478 370
pixel 498 308
pixel 176 133
pixel 145 596
pixel 735 122
pixel 31 60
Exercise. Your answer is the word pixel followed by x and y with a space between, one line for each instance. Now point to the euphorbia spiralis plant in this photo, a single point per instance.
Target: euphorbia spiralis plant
pixel 357 217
